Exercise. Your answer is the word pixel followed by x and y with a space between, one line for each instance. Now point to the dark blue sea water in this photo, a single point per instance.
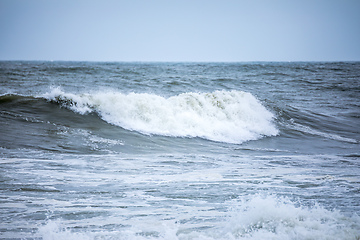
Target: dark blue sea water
pixel 179 150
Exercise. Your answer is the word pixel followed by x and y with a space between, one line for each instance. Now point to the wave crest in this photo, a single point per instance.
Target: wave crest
pixel 226 116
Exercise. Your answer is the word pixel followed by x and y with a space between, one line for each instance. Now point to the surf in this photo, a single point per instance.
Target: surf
pixel 252 217
pixel 224 116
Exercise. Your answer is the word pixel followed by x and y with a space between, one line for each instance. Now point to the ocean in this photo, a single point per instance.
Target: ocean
pixel 136 150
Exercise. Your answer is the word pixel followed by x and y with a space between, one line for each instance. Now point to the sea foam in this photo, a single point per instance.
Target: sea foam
pixel 271 217
pixel 254 218
pixel 225 116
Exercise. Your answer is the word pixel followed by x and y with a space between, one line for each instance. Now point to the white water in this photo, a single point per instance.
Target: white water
pixel 68 176
pixel 225 116
pixel 258 217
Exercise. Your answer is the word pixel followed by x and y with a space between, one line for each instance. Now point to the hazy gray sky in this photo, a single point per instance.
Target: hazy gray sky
pixel 180 30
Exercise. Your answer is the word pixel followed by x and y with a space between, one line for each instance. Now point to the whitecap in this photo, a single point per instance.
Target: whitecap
pixel 225 116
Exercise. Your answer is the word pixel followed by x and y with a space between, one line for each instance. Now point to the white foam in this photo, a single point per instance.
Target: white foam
pixel 227 116
pixel 257 217
pixel 54 230
pixel 278 218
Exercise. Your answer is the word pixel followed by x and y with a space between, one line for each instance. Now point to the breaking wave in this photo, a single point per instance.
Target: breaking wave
pixel 225 116
pixel 258 217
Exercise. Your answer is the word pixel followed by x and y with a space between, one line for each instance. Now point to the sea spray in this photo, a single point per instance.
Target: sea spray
pixel 225 116
pixel 272 217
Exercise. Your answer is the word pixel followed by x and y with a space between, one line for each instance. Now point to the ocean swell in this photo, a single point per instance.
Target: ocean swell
pixel 225 116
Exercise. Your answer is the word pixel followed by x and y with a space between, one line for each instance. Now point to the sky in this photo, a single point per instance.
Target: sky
pixel 180 30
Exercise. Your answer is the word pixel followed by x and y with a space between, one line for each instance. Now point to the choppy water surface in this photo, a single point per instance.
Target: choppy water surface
pixel 179 150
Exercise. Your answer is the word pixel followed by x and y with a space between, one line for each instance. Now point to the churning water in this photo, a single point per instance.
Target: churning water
pixel 179 150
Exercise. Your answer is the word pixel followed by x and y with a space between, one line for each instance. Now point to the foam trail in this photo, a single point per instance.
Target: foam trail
pixel 226 116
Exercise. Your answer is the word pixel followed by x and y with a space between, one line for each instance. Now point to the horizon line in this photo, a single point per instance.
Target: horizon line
pixel 171 61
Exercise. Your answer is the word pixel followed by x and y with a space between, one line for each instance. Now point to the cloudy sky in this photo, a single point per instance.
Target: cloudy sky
pixel 180 30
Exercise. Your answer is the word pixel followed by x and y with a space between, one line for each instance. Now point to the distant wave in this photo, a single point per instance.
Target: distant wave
pixel 8 98
pixel 225 116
